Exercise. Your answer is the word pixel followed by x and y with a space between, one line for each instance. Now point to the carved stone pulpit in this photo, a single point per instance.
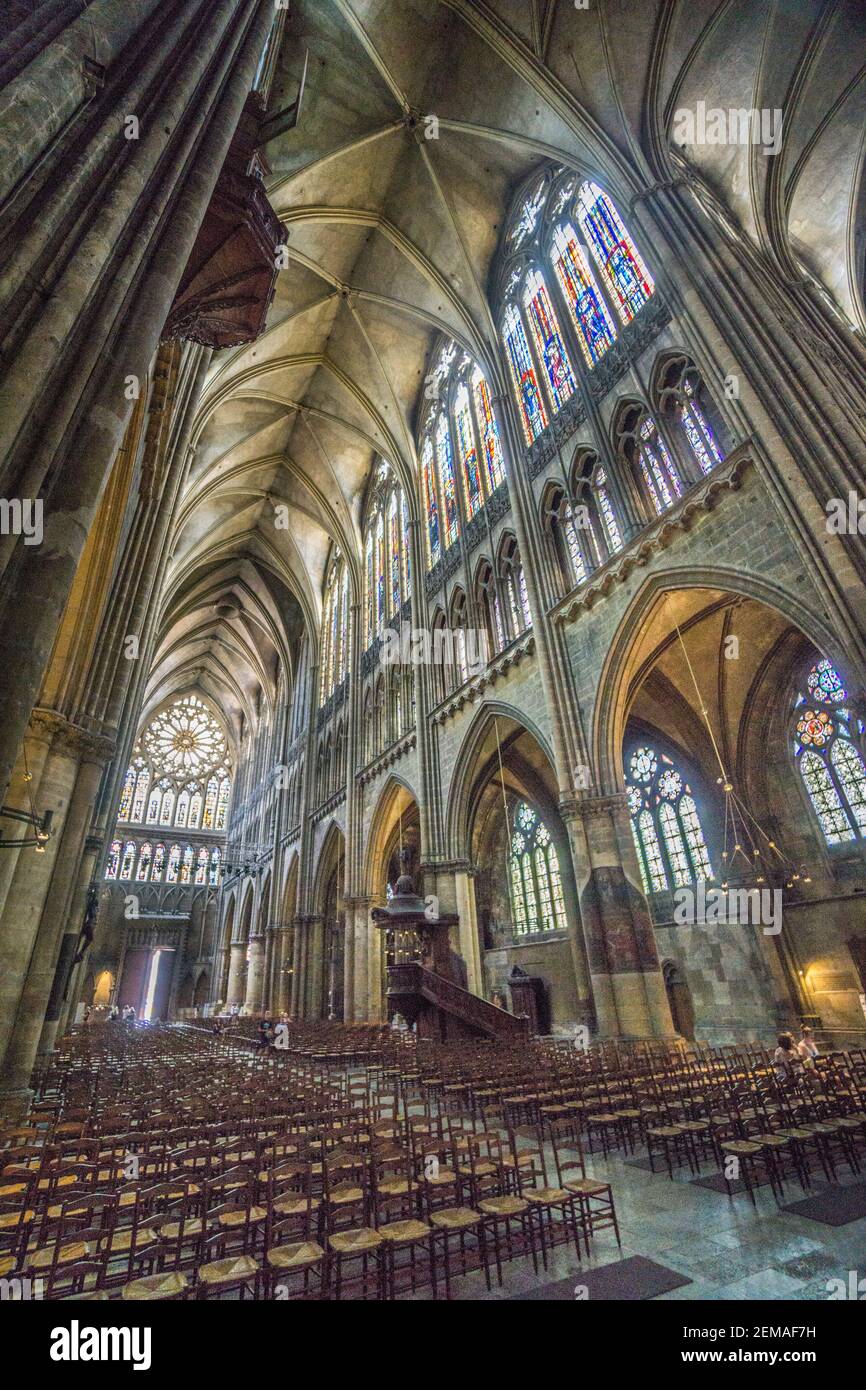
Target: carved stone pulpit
pixel 413 939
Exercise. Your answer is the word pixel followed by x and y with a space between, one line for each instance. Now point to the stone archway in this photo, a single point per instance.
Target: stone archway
pixel 504 767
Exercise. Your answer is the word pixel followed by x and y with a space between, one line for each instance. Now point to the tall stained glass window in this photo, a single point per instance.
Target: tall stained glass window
pixel 223 803
pixel 548 339
pixel 537 901
pixel 158 864
pixel 431 510
pixel 469 468
pixel 142 782
pixel 825 735
pixel 369 584
pixel 669 839
pixel 627 279
pixel 589 313
pixel 605 510
pixel 394 552
pixel 659 474
pixel 445 460
pixel 380 570
pixel 113 862
pixel 487 429
pixel 171 875
pixel 128 860
pixel 697 431
pixel 407 562
pixel 532 412
pixel 126 795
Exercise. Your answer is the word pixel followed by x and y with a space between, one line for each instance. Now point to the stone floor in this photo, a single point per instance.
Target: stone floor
pixel 726 1247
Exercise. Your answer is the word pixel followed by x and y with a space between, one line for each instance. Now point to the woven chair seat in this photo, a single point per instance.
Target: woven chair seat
pixel 172 1229
pixel 68 1254
pixel 454 1219
pixel 544 1196
pixel 122 1240
pixel 398 1232
pixel 228 1271
pixel 241 1217
pixel 360 1241
pixel 166 1285
pixel 503 1206
pixel 301 1254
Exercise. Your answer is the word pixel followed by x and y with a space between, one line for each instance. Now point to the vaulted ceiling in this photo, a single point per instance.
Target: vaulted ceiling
pixel 392 236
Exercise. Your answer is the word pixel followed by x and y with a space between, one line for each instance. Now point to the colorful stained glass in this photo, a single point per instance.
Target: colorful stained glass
pixel 158 864
pixel 488 431
pixel 128 860
pixel 627 279
pixel 379 554
pixel 166 811
pixel 428 491
pixel 214 875
pixel 202 866
pixel 394 547
pixel 661 478
pixel 182 809
pixel 814 728
pixel 171 873
pixel 195 805
pixel 548 340
pixel 210 803
pixel 186 866
pixel 532 412
pixel 368 590
pixel 698 432
pixel 407 563
pixel 343 652
pixel 142 782
pixel 469 469
pixel 126 795
pixel 825 684
pixel 153 804
pixel 223 803
pixel 144 859
pixel 113 860
pixel 592 322
pixel 445 461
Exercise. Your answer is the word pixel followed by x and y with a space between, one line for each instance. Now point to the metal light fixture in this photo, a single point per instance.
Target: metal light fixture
pixel 41 825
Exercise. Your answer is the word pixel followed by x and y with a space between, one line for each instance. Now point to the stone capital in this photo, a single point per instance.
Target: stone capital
pixel 586 808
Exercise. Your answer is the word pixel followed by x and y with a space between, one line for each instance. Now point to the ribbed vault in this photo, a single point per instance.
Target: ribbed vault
pixel 393 235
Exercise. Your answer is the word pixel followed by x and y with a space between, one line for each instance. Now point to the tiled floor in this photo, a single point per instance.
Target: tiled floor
pixel 727 1248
